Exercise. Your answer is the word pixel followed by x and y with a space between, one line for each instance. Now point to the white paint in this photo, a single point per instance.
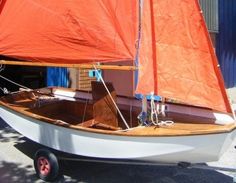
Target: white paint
pixel 194 149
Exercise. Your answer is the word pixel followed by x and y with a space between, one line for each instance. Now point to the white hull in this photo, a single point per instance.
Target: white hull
pixel 194 148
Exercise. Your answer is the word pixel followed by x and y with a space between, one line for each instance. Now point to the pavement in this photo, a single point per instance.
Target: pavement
pixel 16 165
pixel 232 95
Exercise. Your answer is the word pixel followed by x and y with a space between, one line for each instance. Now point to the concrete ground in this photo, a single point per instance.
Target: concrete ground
pixel 232 95
pixel 16 165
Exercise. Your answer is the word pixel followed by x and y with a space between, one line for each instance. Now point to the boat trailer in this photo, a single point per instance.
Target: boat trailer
pixel 47 166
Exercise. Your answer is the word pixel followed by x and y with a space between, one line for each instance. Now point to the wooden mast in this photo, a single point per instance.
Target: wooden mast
pixel 80 66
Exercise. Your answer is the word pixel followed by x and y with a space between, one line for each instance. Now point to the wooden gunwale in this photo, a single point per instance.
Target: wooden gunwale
pixel 178 129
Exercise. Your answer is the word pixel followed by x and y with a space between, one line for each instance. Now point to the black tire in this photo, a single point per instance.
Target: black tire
pixel 46 165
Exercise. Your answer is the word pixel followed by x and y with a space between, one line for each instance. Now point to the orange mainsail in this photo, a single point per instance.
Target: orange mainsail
pixel 177 59
pixel 68 31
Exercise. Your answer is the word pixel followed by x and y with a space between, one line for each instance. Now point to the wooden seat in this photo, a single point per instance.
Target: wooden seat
pixel 104 110
pixel 95 124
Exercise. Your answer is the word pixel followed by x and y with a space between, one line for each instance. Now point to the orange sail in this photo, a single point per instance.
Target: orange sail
pixel 177 59
pixel 68 31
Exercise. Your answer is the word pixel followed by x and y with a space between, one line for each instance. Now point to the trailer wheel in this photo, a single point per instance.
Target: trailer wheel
pixel 46 165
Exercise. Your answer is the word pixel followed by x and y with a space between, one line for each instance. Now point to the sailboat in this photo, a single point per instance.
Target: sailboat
pixel 170 52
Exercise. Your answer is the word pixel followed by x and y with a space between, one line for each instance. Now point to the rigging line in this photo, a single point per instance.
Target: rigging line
pixel 154 48
pixel 131 113
pixel 122 117
pixel 14 82
pixel 2 67
pixel 140 10
pixel 85 109
pixel 155 111
pixel 4 90
pixel 136 62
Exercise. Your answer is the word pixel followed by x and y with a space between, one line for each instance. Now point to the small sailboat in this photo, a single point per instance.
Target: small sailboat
pixel 170 52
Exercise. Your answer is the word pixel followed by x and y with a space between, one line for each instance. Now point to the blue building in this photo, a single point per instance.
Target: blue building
pixel 220 16
pixel 226 41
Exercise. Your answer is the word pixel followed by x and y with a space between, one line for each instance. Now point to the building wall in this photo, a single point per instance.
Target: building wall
pixel 210 10
pixel 220 16
pixel 226 41
pixel 210 14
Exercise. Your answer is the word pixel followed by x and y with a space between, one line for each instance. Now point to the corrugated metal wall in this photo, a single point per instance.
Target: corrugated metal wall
pixel 57 77
pixel 226 41
pixel 210 12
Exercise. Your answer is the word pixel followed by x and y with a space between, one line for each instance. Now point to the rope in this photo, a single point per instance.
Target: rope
pixel 122 117
pixel 155 111
pixel 130 114
pixel 154 114
pixel 14 83
pixel 2 67
pixel 137 44
pixel 85 108
pixel 140 11
pixel 5 90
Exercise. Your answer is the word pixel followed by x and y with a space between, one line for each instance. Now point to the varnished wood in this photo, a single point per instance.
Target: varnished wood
pixel 68 114
pixel 104 110
pixel 79 66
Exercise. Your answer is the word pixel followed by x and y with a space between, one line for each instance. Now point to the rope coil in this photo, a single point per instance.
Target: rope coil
pixel 148 118
pixel 155 111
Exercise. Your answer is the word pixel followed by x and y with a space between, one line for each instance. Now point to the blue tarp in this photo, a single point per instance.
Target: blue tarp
pixel 57 77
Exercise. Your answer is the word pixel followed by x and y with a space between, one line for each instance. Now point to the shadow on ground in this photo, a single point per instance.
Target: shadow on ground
pixel 86 172
pixel 13 172
pixel 7 134
pixel 89 172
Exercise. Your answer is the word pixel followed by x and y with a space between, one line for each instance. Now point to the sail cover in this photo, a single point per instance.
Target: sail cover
pixel 177 59
pixel 68 31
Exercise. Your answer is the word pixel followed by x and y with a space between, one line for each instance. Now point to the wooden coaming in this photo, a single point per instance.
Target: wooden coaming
pixel 69 114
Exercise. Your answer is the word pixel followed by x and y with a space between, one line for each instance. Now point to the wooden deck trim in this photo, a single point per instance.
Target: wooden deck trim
pixel 142 131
